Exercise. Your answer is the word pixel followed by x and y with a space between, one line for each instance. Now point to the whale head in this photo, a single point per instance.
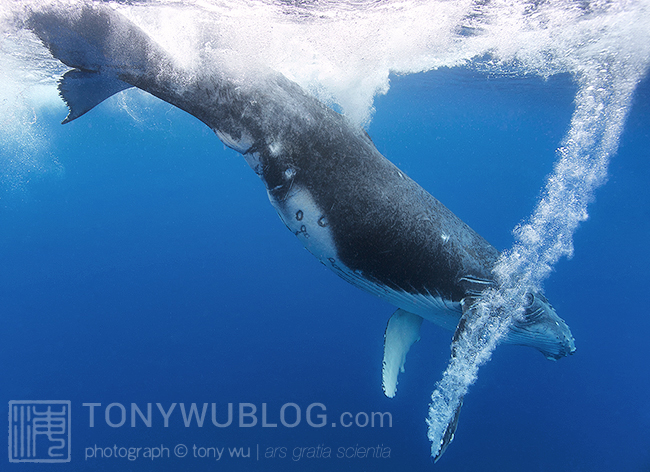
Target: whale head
pixel 542 328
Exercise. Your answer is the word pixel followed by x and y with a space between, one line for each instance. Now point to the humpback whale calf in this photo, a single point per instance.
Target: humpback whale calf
pixel 351 207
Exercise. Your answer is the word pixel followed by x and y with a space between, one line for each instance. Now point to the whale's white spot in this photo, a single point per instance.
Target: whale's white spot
pixel 275 148
pixel 305 219
pixel 241 145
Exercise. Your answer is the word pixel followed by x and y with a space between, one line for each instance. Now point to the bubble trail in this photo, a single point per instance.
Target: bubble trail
pixel 602 104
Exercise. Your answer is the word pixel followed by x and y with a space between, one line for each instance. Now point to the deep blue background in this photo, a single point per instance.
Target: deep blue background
pixel 153 269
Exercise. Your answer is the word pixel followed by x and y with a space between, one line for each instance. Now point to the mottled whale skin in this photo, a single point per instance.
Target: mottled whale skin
pixel 352 208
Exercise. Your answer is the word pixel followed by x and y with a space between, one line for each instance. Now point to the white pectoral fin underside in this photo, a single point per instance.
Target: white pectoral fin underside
pixel 402 331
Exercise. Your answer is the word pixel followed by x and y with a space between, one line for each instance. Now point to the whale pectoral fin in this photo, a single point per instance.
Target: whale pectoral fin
pixel 467 305
pixel 83 90
pixel 402 331
pixel 450 431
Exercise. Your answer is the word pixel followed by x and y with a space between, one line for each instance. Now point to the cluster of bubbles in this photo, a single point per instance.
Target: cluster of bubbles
pixel 25 90
pixel 344 53
pixel 607 70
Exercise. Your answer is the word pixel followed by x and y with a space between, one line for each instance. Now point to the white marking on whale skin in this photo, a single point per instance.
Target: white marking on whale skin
pixel 240 145
pixel 305 219
pixel 275 148
pixel 253 161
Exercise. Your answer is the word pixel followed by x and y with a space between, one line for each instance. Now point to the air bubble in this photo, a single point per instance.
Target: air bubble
pixel 299 215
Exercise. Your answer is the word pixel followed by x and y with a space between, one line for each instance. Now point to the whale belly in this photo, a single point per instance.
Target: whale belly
pixel 303 217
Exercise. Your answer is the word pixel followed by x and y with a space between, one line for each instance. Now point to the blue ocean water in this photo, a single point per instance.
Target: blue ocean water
pixel 147 266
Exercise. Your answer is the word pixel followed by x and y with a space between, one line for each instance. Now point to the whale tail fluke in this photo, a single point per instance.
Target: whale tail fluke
pixel 82 91
pixel 106 51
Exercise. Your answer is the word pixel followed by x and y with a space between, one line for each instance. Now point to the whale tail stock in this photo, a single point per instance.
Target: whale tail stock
pixel 85 40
